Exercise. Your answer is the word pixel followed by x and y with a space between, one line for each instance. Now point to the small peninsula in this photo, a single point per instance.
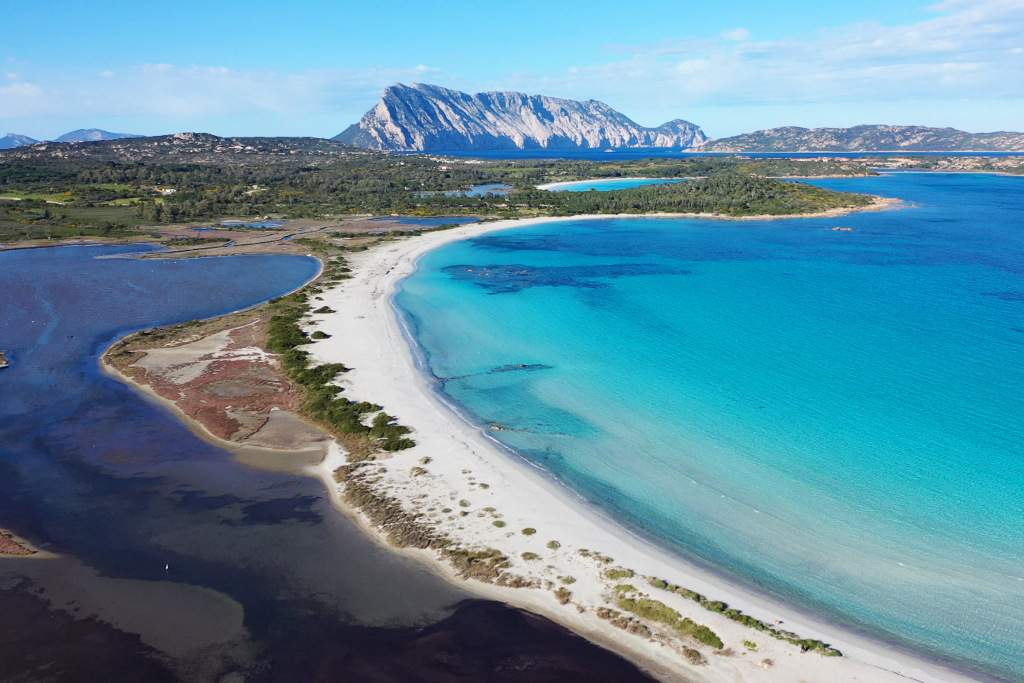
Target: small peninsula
pixel 435 489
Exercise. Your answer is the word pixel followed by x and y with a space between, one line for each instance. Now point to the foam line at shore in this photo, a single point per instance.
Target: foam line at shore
pixel 445 474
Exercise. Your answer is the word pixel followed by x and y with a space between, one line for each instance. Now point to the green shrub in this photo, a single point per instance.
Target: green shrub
pixel 616 574
pixel 394 444
pixel 660 612
pixel 528 531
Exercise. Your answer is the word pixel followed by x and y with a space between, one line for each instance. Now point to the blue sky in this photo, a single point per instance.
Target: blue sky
pixel 305 68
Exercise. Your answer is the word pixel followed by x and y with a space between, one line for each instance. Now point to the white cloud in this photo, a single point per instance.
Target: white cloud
pixel 736 34
pixel 968 49
pixel 193 92
pixel 965 50
pixel 20 99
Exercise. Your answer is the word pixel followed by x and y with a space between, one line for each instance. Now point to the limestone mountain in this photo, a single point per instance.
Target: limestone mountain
pixel 421 117
pixel 868 139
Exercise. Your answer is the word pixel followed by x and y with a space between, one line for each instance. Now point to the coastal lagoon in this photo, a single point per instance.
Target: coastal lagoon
pixel 606 184
pixel 828 410
pixel 174 561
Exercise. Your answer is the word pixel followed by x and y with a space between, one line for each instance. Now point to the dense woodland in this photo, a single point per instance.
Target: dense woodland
pixel 114 188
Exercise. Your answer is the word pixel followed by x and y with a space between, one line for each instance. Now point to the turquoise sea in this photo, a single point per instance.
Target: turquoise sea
pixel 835 417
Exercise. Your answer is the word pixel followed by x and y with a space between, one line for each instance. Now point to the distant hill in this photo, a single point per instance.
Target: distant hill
pixel 12 140
pixel 425 117
pixel 92 135
pixel 868 139
pixel 198 148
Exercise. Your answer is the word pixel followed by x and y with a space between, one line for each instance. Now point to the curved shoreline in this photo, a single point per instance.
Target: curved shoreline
pixel 368 336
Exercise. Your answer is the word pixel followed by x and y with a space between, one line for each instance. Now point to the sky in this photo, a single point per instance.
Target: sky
pixel 306 68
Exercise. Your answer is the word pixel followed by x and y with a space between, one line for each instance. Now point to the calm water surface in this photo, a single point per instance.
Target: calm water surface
pixel 177 563
pixel 606 184
pixel 832 416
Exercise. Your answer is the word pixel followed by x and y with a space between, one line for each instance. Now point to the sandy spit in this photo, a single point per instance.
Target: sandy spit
pixel 465 472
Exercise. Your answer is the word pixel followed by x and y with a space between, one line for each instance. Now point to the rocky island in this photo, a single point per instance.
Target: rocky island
pixel 422 117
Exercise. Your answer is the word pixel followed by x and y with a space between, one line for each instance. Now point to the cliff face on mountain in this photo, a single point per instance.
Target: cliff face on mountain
pixel 868 139
pixel 428 117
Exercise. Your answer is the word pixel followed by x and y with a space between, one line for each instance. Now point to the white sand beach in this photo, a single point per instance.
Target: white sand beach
pixel 481 497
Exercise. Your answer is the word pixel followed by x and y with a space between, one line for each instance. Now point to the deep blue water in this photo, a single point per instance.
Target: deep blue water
pixel 835 417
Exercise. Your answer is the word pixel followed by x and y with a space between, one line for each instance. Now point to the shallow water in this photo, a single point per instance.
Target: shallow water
pixel 832 416
pixel 606 184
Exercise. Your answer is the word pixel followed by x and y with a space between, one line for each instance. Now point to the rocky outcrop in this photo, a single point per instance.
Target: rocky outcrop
pixel 868 139
pixel 424 117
